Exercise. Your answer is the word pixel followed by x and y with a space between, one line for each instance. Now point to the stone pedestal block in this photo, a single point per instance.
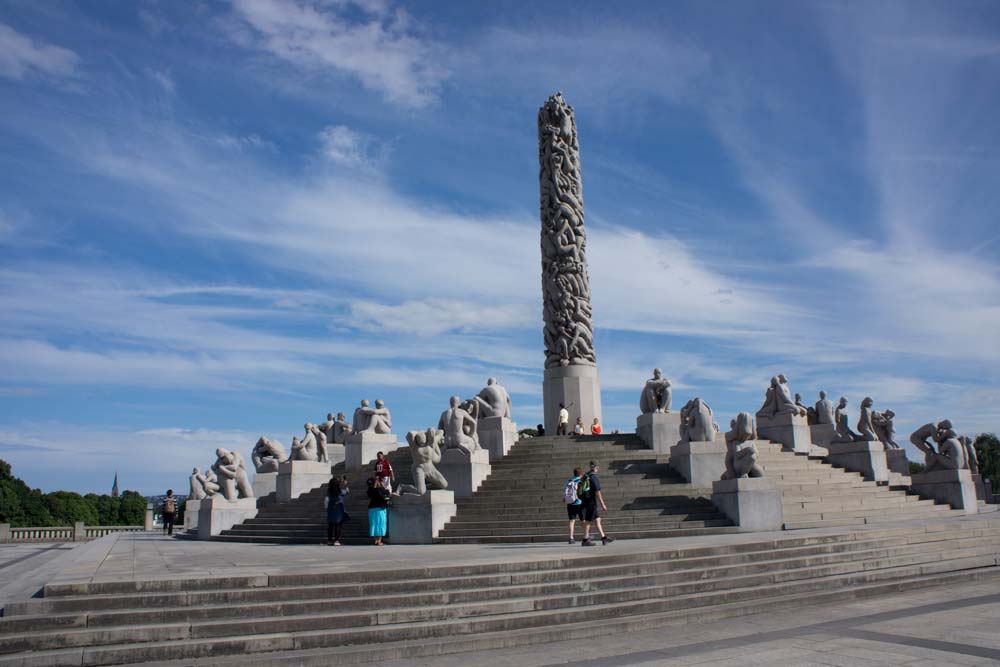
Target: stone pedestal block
pixel 419 519
pixel 753 503
pixel 497 435
pixel 866 457
pixel 217 514
pixel 264 483
pixel 897 461
pixel 576 387
pixel 659 430
pixel 700 463
pixel 977 481
pixel 336 453
pixel 191 509
pixel 792 431
pixel 361 448
pixel 990 496
pixel 464 472
pixel 951 487
pixel 298 477
pixel 147 523
pixel 823 434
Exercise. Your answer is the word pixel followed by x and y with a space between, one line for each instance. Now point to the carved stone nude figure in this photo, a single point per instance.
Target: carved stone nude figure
pixel 459 428
pixel 425 448
pixel 267 454
pixel 656 395
pixel 741 452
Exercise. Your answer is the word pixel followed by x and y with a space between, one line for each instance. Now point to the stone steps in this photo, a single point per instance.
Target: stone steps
pixel 345 615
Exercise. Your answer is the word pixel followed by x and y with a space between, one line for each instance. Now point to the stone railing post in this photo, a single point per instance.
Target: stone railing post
pixel 4 532
pixel 149 517
pixel 79 531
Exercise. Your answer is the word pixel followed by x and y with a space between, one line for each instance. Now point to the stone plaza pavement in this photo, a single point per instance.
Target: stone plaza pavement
pixel 958 624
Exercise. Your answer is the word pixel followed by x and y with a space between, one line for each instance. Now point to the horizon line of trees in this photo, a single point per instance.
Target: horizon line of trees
pixel 22 506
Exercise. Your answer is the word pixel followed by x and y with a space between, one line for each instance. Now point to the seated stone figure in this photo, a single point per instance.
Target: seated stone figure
pixel 844 432
pixel 741 452
pixel 459 428
pixel 698 422
pixel 884 429
pixel 656 395
pixel 865 427
pixel 341 429
pixel 425 448
pixel 267 454
pixel 304 449
pixel 949 454
pixel 825 410
pixel 492 401
pixel 778 400
pixel 232 474
pixel 372 420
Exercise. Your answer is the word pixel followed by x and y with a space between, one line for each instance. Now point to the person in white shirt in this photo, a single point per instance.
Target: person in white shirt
pixel 563 420
pixel 578 428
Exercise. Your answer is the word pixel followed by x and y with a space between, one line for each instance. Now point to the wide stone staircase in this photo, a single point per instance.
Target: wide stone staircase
pixel 304 519
pixel 816 494
pixel 521 500
pixel 410 611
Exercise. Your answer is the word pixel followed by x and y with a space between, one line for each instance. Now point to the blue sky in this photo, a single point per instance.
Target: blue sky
pixel 220 220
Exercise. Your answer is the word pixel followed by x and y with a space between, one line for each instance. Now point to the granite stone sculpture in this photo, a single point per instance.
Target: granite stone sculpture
pixel 232 472
pixel 459 428
pixel 865 427
pixel 950 454
pixel 741 452
pixel 341 429
pixel 778 400
pixel 698 422
pixel 320 437
pixel 492 401
pixel 884 429
pixel 656 394
pixel 569 330
pixel 844 432
pixel 207 484
pixel 425 449
pixel 267 454
pixel 825 410
pixel 970 454
pixel 372 420
pixel 305 449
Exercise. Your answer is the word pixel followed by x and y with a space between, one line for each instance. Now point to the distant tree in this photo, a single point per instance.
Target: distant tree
pixel 132 511
pixel 916 468
pixel 19 504
pixel 530 432
pixel 988 452
pixel 68 507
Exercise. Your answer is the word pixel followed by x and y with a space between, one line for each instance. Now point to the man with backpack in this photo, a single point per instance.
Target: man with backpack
pixel 574 505
pixel 589 490
pixel 169 512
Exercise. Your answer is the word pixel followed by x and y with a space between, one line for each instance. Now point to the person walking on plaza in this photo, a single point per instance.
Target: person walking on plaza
pixel 169 512
pixel 595 428
pixel 574 506
pixel 590 493
pixel 378 502
pixel 563 420
pixel 384 473
pixel 336 514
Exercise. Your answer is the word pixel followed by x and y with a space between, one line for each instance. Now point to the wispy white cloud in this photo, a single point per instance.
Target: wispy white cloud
pixel 352 149
pixel 21 55
pixel 371 42
pixel 163 79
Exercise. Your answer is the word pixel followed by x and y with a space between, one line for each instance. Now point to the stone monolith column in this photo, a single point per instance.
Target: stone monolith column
pixel 570 362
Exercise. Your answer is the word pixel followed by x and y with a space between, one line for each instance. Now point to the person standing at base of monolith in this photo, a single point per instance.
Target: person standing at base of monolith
pixel 570 362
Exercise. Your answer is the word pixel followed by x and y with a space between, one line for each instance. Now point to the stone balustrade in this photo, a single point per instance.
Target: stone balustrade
pixel 78 532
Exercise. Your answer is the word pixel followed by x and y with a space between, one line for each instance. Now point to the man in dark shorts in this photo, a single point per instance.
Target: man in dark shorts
pixel 590 487
pixel 574 509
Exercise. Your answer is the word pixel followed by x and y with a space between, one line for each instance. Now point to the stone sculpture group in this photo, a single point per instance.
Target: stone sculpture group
pixel 741 452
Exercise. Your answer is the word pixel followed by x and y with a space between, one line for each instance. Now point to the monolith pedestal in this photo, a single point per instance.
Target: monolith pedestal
pixel 951 487
pixel 191 508
pixel 701 463
pixel 217 514
pixel 576 387
pixel 464 471
pixel 659 430
pixel 361 448
pixel 496 435
pixel 752 503
pixel 264 483
pixel 298 477
pixel 865 456
pixel 419 519
pixel 792 431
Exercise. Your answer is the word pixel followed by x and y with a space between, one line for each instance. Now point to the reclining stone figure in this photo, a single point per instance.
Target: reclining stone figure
pixel 425 448
pixel 741 452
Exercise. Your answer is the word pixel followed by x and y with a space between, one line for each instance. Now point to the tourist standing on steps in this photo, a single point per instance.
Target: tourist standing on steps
pixel 590 493
pixel 169 512
pixel 563 420
pixel 578 428
pixel 574 506
pixel 384 474
pixel 595 428
pixel 336 513
pixel 378 502
pixel 540 430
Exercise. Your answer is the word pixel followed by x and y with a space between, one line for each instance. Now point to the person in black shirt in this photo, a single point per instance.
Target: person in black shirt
pixel 592 498
pixel 378 502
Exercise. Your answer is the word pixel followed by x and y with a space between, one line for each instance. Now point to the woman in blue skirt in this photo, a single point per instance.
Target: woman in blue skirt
pixel 378 501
